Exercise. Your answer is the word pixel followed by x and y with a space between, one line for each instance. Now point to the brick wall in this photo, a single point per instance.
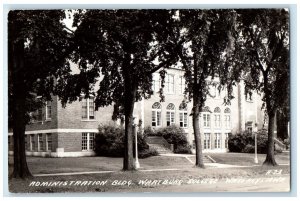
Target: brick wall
pixel 71 142
pixel 70 117
pixel 46 124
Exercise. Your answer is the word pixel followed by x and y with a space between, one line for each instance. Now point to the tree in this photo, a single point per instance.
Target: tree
pixel 37 52
pixel 123 48
pixel 208 42
pixel 264 35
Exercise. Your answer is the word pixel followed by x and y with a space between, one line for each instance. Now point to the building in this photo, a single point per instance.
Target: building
pixel 70 131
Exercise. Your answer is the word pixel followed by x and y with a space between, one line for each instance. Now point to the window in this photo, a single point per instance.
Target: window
pixel 226 140
pixel 183 117
pixel 206 120
pixel 227 118
pixel 49 142
pixel 217 140
pixel 169 83
pixel 32 142
pixel 155 82
pixel 88 109
pixel 40 142
pixel 181 84
pixel 206 140
pixel 9 141
pixel 156 114
pixel 87 143
pixel 48 110
pixel 170 114
pixel 206 117
pixel 217 112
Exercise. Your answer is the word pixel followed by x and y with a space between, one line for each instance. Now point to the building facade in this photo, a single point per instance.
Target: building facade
pixel 70 131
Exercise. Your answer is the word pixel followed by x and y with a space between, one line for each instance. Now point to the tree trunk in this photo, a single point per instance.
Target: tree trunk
pixel 197 135
pixel 130 93
pixel 196 114
pixel 19 122
pixel 270 158
pixel 282 126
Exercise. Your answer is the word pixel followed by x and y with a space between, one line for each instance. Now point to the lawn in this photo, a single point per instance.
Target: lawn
pixel 181 176
pixel 246 159
pixel 38 165
pixel 182 170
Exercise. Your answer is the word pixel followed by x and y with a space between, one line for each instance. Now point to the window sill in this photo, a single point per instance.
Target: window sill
pixel 91 120
pixel 48 120
pixel 87 150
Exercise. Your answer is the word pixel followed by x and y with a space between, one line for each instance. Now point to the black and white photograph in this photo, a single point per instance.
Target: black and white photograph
pixel 151 101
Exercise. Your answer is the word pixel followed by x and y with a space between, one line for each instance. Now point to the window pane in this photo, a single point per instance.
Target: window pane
pixel 84 109
pixel 49 142
pixel 172 117
pixel 84 141
pixel 91 141
pixel 158 118
pixel 153 118
pixel 40 142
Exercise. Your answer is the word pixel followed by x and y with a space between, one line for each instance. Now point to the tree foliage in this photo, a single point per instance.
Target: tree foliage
pixel 264 36
pixel 37 51
pixel 206 54
pixel 123 48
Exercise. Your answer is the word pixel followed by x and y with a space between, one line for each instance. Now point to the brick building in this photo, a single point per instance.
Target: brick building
pixel 70 131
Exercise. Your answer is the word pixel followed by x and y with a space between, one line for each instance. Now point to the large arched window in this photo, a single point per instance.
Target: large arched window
pixel 206 117
pixel 217 113
pixel 227 118
pixel 156 114
pixel 170 114
pixel 183 117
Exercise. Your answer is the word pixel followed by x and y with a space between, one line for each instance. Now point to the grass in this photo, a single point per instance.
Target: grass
pixel 185 171
pixel 183 175
pixel 245 159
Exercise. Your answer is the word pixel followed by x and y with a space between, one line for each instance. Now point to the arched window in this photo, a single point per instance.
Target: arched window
pixel 227 118
pixel 156 114
pixel 183 117
pixel 217 114
pixel 206 117
pixel 170 114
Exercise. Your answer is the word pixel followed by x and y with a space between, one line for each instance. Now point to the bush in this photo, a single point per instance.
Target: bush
pixel 148 152
pixel 249 148
pixel 110 142
pixel 148 131
pixel 236 143
pixel 175 135
pixel 183 149
pixel 287 142
pixel 244 142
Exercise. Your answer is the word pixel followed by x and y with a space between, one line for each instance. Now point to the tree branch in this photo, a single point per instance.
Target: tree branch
pixel 259 62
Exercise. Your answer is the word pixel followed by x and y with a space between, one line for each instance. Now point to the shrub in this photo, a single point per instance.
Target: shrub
pixel 110 142
pixel 236 143
pixel 183 149
pixel 148 152
pixel 175 135
pixel 262 139
pixel 148 131
pixel 249 148
pixel 287 142
pixel 244 142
